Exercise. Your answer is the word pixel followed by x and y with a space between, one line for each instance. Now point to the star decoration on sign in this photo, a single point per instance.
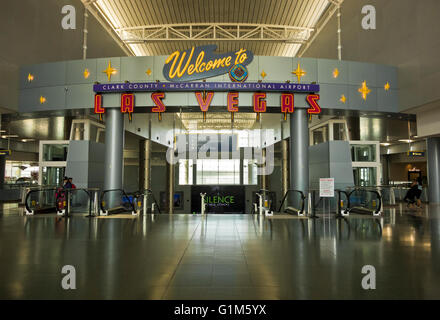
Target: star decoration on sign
pixel 387 86
pixel 299 73
pixel 343 99
pixel 42 100
pixel 30 77
pixel 263 74
pixel 148 72
pixel 110 71
pixel 364 90
pixel 86 73
pixel 335 73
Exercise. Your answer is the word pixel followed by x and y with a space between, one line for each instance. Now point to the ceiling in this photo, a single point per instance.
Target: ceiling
pixel 271 15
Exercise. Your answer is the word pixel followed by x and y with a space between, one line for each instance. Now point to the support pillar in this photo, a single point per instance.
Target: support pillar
pixel 299 152
pixel 170 185
pixel 433 149
pixel 263 177
pixel 194 172
pixel 285 166
pixel 145 165
pixel 114 151
pixel 2 169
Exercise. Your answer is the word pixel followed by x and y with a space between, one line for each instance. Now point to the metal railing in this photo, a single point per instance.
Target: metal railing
pixel 363 206
pixel 141 201
pixel 57 200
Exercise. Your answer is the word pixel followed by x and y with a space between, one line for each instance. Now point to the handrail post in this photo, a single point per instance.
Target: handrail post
pixel 144 204
pixel 67 211
pixel 260 201
pixel 202 205
pixel 392 196
pixel 309 204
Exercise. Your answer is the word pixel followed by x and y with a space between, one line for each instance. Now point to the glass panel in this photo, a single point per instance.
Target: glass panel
pixel 55 152
pixel 93 132
pixel 185 172
pixel 101 136
pixel 363 153
pixel 78 131
pixel 218 171
pixel 250 172
pixel 364 177
pixel 53 176
pixel 320 135
pixel 339 131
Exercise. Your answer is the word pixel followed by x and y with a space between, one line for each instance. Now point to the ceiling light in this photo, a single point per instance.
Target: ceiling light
pixel 27 140
pixel 9 136
pixel 385 144
pixel 406 140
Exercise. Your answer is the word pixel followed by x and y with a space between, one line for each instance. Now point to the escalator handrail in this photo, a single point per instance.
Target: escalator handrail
pixel 347 195
pixel 303 198
pixel 379 197
pixel 110 190
pixel 35 191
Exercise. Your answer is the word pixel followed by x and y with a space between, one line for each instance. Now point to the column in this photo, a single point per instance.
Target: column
pixel 433 149
pixel 285 166
pixel 194 172
pixel 2 169
pixel 263 177
pixel 299 152
pixel 145 165
pixel 114 152
pixel 170 185
pixel 241 153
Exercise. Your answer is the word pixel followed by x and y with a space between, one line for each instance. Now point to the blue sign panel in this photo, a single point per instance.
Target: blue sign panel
pixel 416 153
pixel 202 62
pixel 5 152
pixel 205 86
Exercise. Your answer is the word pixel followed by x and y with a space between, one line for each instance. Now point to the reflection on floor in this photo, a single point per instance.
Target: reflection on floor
pixel 221 256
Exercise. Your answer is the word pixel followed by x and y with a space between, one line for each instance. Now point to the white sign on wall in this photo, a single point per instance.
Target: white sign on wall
pixel 327 187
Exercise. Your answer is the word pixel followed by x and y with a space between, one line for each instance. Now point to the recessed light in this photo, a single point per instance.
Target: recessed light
pixel 9 136
pixel 385 144
pixel 406 140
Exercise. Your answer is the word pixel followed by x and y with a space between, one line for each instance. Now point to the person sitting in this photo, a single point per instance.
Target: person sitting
pixel 418 192
pixel 411 194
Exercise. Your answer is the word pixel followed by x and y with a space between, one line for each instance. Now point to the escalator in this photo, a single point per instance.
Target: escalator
pixel 117 201
pixel 59 201
pixel 293 203
pixel 40 201
pixel 363 201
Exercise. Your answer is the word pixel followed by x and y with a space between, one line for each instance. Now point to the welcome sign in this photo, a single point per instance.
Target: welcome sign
pixel 202 62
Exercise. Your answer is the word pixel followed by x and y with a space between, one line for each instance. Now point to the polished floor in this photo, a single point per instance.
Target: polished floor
pixel 221 256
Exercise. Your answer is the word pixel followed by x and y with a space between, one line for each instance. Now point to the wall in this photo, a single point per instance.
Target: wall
pixel 32 33
pixel 406 37
pixel 85 164
pixel 331 160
